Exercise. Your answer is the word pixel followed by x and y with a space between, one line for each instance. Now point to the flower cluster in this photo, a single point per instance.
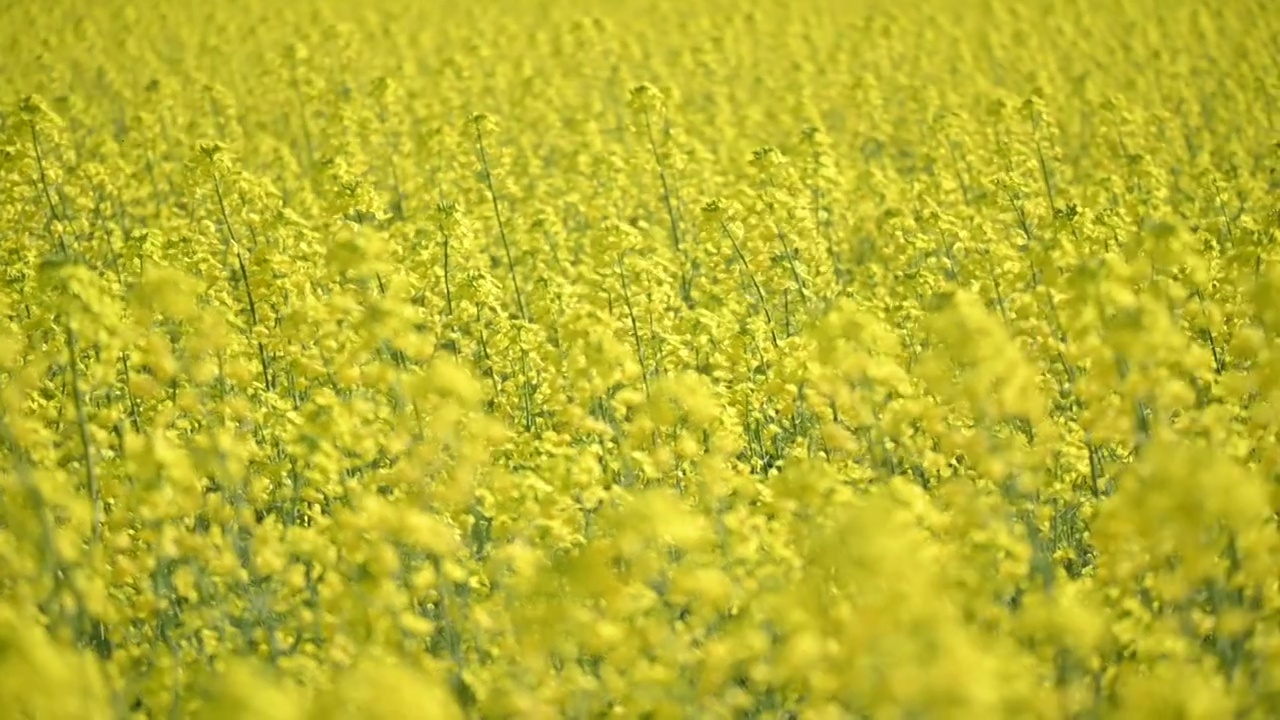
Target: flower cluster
pixel 790 359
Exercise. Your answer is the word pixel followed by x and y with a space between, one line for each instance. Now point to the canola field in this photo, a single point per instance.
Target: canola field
pixel 517 359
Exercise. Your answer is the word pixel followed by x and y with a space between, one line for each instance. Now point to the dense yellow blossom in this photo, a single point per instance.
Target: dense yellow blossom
pixel 580 359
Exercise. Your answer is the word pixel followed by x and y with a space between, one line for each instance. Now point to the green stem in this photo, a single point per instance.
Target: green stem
pixel 497 213
pixel 635 330
pixel 764 304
